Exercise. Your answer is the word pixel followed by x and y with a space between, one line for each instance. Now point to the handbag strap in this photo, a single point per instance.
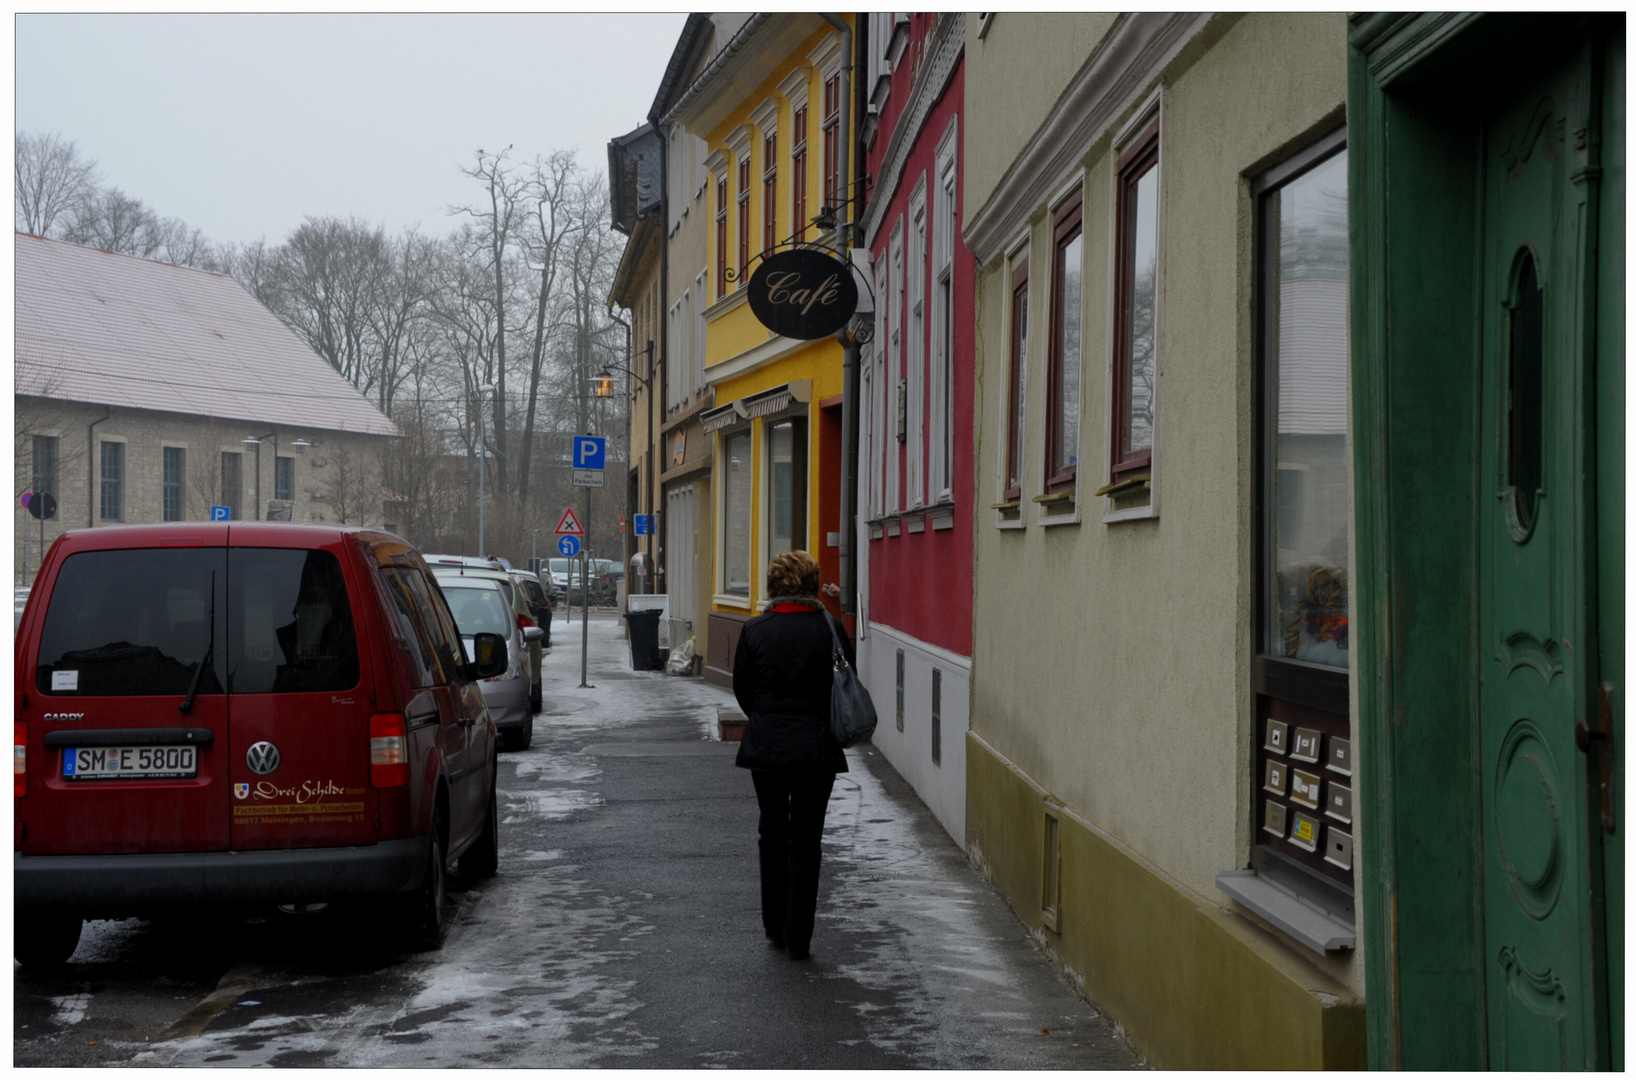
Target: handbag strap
pixel 838 655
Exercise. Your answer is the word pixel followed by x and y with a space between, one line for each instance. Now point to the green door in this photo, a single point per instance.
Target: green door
pixel 1535 657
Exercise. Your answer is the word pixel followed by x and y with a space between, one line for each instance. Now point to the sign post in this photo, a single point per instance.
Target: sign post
pixel 590 459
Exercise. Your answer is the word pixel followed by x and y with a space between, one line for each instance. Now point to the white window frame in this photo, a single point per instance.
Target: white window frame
pixel 696 380
pixel 762 442
pixel 894 375
pixel 915 347
pixel 882 396
pixel 1019 252
pixel 942 326
pixel 674 345
pixel 719 497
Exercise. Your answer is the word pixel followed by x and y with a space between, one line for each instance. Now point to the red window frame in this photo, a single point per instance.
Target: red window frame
pixel 721 236
pixel 1068 224
pixel 1019 358
pixel 832 144
pixel 743 219
pixel 798 171
pixel 1135 163
pixel 769 192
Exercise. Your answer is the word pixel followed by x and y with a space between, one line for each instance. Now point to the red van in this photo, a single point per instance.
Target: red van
pixel 244 711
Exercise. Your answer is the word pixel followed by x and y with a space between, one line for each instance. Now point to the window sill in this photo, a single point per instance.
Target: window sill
pixel 941 516
pixel 1058 508
pixel 1306 923
pixel 1008 514
pixel 730 600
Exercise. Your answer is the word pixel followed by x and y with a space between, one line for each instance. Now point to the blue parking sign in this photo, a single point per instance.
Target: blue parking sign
pixel 590 452
pixel 568 545
pixel 644 524
pixel 221 513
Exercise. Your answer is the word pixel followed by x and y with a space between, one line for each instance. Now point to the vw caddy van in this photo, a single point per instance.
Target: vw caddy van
pixel 246 711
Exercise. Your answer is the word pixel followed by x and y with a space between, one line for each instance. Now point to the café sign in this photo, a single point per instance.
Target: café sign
pixel 803 293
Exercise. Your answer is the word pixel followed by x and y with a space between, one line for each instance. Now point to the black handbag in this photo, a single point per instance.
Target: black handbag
pixel 851 712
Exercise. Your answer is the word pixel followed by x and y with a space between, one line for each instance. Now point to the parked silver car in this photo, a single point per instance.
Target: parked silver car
pixel 479 605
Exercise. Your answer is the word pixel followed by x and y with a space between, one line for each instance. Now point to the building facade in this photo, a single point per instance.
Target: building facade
pixel 149 392
pixel 1159 765
pixel 916 495
pixel 772 112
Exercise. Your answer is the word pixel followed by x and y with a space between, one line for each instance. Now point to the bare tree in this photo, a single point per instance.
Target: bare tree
pixel 111 220
pixel 51 179
pixel 550 220
pixel 346 486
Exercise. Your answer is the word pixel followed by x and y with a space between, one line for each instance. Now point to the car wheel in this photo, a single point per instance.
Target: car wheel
pixel 522 738
pixel 427 907
pixel 536 697
pixel 482 859
pixel 45 939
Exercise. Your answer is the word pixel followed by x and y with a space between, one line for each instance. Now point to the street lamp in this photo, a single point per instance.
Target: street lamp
pixel 604 389
pixel 255 444
pixel 482 450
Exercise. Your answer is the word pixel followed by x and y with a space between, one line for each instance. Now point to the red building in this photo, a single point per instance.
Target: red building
pixel 915 488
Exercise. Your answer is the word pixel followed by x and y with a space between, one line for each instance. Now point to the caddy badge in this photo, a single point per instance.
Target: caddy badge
pixel 262 758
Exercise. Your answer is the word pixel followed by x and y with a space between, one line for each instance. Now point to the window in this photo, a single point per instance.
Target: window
pixel 721 236
pixel 45 464
pixel 232 482
pixel 880 396
pixel 1302 766
pixel 695 318
pixel 289 623
pixel 1015 436
pixel 676 333
pixel 769 191
pixel 897 391
pixel 113 481
pixel 736 495
pixel 798 171
pixel 832 141
pixel 1136 302
pixel 1067 315
pixel 284 478
pixel 914 359
pixel 787 487
pixel 942 385
pixel 743 219
pixel 175 477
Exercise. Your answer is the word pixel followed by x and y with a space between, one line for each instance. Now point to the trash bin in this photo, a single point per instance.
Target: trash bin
pixel 644 633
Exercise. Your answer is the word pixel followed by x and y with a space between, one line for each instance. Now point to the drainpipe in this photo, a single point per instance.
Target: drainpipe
pixel 656 373
pixel 849 350
pixel 91 467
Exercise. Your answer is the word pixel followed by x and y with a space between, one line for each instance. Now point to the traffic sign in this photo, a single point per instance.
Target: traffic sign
pixel 221 513
pixel 590 452
pixel 588 478
pixel 569 525
pixel 569 546
pixel 644 524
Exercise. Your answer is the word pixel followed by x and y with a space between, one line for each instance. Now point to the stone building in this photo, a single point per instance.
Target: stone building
pixel 148 392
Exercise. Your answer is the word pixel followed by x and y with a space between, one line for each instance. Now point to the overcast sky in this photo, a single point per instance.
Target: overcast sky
pixel 242 125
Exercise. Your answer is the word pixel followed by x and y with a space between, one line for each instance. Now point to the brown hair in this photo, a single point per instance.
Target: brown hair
pixel 792 574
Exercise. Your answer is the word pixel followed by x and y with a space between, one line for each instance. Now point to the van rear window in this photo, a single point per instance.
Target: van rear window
pixel 291 628
pixel 138 622
pixel 134 623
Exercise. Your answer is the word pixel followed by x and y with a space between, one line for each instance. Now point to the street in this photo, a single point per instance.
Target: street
pixel 622 931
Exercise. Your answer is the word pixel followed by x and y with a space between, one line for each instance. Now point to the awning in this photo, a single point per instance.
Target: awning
pixel 721 416
pixel 779 398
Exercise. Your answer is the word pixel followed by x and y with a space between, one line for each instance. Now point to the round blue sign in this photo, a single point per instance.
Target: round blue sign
pixel 568 545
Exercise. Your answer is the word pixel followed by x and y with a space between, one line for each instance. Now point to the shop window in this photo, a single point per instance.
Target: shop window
pixel 737 491
pixel 1018 379
pixel 1303 808
pixel 113 481
pixel 787 487
pixel 1135 357
pixel 1067 320
pixel 174 478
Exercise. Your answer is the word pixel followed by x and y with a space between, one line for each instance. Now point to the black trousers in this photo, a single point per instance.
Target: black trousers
pixel 792 832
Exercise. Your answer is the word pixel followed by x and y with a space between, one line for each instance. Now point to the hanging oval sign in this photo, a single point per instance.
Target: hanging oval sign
pixel 803 293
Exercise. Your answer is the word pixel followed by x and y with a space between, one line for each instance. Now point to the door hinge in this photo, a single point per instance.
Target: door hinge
pixel 1585 736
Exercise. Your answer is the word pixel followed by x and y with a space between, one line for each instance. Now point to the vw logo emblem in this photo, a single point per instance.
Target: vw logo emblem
pixel 262 758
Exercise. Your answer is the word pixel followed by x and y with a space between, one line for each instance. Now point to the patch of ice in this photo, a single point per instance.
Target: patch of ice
pixel 71 1008
pixel 548 804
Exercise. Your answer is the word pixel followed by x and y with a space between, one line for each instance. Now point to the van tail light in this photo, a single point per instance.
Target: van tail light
pixel 22 758
pixel 388 751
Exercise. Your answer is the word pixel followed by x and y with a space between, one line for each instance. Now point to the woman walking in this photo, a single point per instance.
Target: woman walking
pixel 782 674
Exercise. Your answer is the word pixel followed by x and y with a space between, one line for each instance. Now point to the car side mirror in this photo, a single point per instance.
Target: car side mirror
pixel 490 659
pixel 532 634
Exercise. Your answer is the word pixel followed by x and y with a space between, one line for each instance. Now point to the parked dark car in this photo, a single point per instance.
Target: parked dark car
pixel 268 712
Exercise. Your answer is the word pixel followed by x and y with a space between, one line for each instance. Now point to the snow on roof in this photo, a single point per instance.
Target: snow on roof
pixel 110 329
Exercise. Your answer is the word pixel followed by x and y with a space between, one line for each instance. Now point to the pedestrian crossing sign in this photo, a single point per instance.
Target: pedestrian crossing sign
pixel 569 525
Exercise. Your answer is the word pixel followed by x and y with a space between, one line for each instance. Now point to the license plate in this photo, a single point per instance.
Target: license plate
pixel 130 763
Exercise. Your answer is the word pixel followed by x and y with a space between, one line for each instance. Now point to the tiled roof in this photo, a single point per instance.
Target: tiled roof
pixel 115 330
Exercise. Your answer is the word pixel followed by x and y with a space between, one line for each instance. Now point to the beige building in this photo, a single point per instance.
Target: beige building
pixel 148 392
pixel 1159 761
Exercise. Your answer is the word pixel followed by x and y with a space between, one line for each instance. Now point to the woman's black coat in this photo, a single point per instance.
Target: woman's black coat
pixel 782 676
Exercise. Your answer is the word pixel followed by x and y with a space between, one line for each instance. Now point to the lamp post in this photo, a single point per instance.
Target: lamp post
pixel 604 389
pixel 255 444
pixel 482 460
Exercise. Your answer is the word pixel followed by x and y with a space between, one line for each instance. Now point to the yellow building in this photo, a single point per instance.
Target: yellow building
pixel 771 108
